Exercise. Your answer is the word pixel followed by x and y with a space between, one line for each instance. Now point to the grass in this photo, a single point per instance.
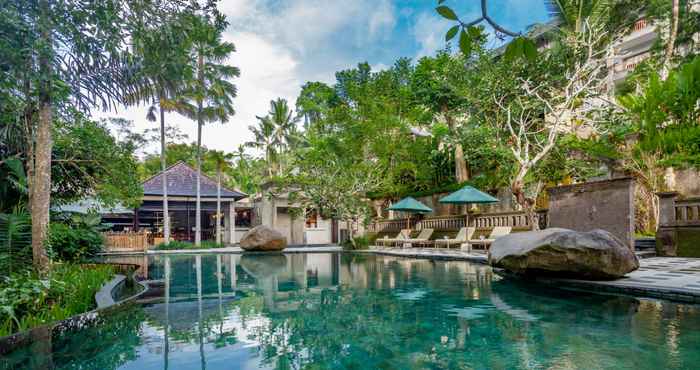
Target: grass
pixel 27 301
pixel 173 245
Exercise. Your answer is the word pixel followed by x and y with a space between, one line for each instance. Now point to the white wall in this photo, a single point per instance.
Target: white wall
pixel 320 234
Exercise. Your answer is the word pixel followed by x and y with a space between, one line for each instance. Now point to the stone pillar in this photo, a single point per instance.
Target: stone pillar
pixel 232 221
pixel 667 212
pixel 666 236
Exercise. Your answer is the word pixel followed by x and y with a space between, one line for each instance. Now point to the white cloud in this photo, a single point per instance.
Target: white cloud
pixel 280 45
pixel 429 31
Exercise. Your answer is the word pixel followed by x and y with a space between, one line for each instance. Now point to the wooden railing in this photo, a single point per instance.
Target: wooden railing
pixel 125 241
pixel 517 219
pixel 687 212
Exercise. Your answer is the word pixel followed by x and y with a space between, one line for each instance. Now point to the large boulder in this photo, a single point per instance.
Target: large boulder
pixel 263 238
pixel 594 255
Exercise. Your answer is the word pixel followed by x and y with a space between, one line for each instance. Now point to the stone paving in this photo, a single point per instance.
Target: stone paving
pixel 670 278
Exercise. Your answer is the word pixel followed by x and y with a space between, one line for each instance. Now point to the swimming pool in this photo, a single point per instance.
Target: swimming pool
pixel 362 311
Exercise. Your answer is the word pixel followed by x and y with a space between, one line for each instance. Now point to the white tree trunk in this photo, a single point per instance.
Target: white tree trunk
pixel 218 207
pixel 163 166
pixel 200 123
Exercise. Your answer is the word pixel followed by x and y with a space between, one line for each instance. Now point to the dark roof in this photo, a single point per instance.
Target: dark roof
pixel 182 181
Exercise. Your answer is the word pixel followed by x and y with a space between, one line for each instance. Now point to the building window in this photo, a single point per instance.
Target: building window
pixel 311 219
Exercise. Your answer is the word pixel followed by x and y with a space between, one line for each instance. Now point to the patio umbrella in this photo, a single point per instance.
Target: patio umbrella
pixel 410 205
pixel 467 195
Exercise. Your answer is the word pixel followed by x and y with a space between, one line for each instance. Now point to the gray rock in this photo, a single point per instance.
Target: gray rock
pixel 263 238
pixel 594 255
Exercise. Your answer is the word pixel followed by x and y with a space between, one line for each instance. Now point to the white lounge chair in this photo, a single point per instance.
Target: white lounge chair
pixel 462 237
pixel 402 235
pixel 497 231
pixel 423 237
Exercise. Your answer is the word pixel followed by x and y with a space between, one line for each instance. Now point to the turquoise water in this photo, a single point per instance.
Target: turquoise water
pixel 356 311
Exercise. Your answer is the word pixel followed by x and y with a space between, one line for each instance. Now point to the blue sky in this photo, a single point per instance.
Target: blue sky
pixel 281 44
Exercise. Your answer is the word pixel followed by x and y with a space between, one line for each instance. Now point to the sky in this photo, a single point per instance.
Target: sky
pixel 282 44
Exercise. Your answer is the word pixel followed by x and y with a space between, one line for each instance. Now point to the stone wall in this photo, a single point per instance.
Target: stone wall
pixel 607 205
pixel 686 181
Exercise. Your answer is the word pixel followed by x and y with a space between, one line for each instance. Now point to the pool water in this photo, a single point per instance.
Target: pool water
pixel 361 311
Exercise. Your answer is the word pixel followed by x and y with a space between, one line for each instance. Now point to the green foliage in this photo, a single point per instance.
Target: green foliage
pixel 93 163
pixel 75 239
pixel 26 301
pixel 15 241
pixel 175 245
pixel 667 114
pixel 361 242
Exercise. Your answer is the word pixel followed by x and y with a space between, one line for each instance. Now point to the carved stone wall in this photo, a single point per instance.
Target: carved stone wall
pixel 607 205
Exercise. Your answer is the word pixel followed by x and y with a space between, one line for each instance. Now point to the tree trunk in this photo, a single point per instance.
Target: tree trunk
pixel 163 166
pixel 525 203
pixel 673 34
pixel 41 192
pixel 200 123
pixel 461 169
pixel 218 206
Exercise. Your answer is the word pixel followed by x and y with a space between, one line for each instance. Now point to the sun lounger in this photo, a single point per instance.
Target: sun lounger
pixel 402 235
pixel 462 237
pixel 423 237
pixel 497 231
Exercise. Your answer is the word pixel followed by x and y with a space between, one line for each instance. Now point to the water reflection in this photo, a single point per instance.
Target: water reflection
pixel 363 311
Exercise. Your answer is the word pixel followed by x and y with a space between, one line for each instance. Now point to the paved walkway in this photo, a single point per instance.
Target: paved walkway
pixel 672 278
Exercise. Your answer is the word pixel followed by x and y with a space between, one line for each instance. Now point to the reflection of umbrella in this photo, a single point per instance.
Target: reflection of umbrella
pixel 410 205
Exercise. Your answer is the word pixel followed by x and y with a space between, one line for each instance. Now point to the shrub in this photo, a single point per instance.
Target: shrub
pixel 175 244
pixel 74 242
pixel 26 301
pixel 361 242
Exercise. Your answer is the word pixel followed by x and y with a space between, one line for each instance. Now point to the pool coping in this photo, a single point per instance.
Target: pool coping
pixel 226 250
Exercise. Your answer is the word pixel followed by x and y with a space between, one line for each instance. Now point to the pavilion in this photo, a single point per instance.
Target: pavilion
pixel 182 193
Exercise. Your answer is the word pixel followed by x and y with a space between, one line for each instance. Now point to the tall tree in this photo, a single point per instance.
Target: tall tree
pixel 165 70
pixel 210 94
pixel 221 162
pixel 66 53
pixel 266 140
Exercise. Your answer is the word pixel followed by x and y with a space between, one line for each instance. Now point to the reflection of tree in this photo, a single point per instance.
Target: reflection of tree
pixel 108 342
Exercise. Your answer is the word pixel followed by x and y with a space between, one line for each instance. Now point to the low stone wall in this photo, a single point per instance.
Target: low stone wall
pixel 607 205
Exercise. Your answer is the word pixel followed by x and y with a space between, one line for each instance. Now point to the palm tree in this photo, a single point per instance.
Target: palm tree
pixel 276 132
pixel 573 14
pixel 209 97
pixel 265 140
pixel 164 73
pixel 222 163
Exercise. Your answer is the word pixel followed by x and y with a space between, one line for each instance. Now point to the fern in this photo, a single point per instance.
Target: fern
pixel 15 241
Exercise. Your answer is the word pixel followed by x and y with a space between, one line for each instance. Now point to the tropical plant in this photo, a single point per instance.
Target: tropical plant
pixel 15 241
pixel 209 95
pixel 266 141
pixel 77 238
pixel 221 162
pixel 163 74
pixel 50 64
